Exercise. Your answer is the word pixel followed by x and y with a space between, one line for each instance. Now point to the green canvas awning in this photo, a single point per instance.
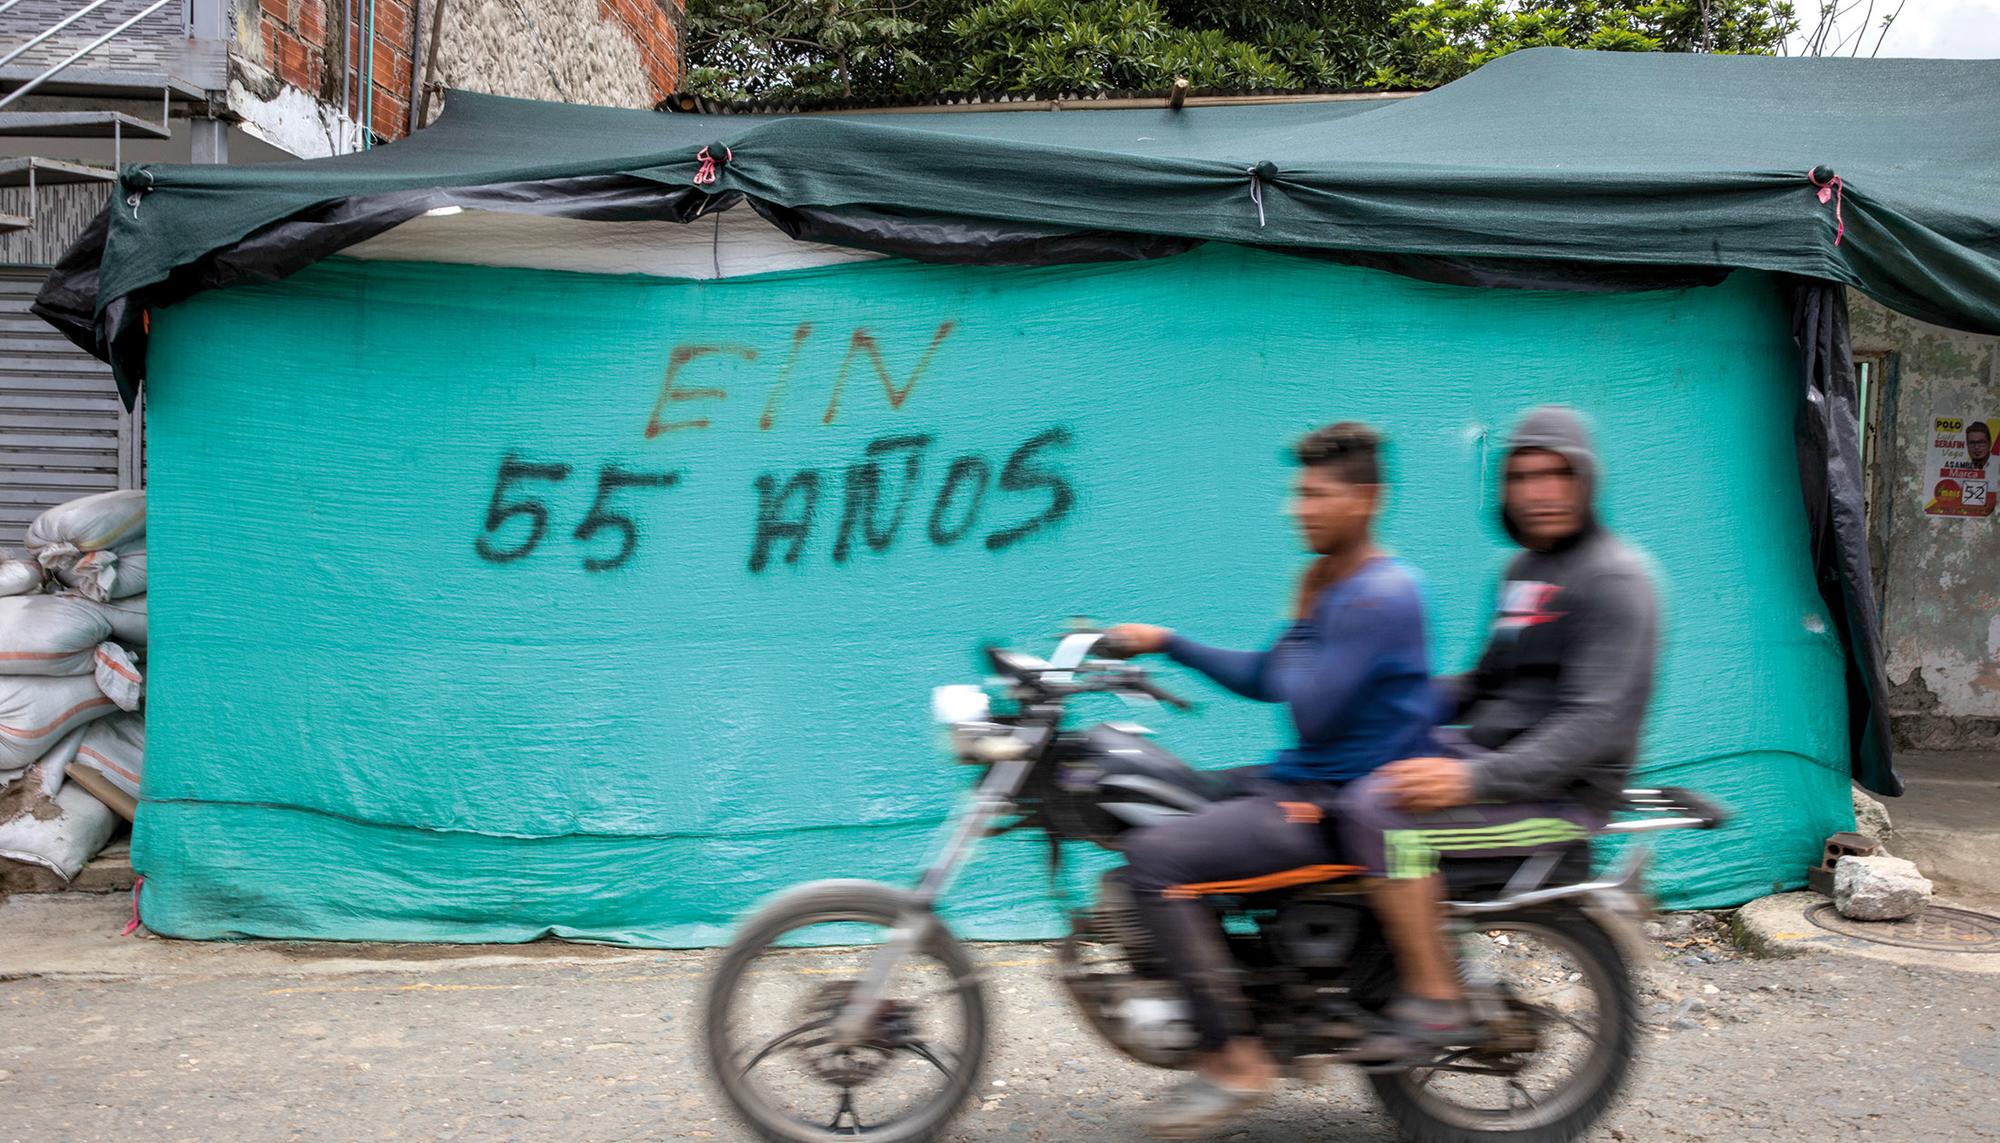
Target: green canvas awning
pixel 1880 174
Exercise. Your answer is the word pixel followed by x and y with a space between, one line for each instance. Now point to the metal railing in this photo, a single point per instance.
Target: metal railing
pixel 57 68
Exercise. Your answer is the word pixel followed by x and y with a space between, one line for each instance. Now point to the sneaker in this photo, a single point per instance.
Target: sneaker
pixel 1199 1107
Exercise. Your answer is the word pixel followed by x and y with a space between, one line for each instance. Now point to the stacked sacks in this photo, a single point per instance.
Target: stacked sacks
pixel 96 545
pixel 71 687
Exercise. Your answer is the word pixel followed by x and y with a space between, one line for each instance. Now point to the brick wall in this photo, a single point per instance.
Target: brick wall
pixel 622 52
pixel 654 29
pixel 303 44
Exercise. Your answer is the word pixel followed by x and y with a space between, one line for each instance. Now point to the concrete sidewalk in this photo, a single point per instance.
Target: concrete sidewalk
pixel 76 936
pixel 1948 822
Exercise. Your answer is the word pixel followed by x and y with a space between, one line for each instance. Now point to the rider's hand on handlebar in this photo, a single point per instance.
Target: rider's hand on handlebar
pixel 1129 639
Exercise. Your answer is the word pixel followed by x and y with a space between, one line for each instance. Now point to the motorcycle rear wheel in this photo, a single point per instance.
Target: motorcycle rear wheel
pixel 1435 1105
pixel 859 907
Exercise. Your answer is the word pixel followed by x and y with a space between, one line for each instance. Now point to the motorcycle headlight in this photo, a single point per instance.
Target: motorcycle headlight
pixel 965 712
pixel 960 703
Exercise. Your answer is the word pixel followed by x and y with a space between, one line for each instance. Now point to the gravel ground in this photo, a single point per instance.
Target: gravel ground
pixel 1737 1049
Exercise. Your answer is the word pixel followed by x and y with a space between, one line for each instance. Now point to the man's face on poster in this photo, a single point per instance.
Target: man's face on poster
pixel 1978 442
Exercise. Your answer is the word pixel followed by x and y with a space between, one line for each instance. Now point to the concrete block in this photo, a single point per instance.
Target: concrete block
pixel 1879 888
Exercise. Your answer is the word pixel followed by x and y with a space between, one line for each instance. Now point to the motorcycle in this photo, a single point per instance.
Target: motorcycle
pixel 854 998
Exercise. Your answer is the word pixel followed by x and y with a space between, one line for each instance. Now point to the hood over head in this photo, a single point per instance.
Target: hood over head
pixel 1559 429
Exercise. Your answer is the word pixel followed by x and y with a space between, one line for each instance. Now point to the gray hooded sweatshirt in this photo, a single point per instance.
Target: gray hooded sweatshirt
pixel 1554 708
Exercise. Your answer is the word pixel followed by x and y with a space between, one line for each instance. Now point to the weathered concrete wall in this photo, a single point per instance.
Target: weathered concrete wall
pixel 1941 617
pixel 622 54
pixel 61 213
pixel 291 73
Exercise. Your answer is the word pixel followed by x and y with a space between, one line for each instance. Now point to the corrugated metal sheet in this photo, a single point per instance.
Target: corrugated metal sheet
pixel 63 433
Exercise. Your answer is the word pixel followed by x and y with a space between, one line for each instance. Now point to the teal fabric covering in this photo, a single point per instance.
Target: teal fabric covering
pixel 370 719
pixel 1548 154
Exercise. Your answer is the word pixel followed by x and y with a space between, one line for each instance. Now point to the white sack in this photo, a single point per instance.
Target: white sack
pixel 118 677
pixel 114 573
pixel 128 620
pixel 91 524
pixel 36 712
pixel 60 834
pixel 18 576
pixel 50 635
pixel 116 748
pixel 48 771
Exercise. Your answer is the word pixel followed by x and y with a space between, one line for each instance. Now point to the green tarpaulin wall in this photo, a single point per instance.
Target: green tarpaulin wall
pixel 378 711
pixel 1618 159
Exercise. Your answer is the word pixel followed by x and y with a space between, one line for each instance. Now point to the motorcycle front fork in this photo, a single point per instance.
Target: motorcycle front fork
pixel 961 837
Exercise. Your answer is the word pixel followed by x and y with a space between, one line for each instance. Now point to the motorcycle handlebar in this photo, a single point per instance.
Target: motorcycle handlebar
pixel 1155 691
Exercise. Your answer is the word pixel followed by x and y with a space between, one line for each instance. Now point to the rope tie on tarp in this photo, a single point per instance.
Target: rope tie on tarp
pixel 1260 174
pixel 704 172
pixel 1830 188
pixel 132 200
pixel 132 926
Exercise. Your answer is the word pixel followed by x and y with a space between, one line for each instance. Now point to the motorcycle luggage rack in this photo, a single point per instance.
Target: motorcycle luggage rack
pixel 1668 807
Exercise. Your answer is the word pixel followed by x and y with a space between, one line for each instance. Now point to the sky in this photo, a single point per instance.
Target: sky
pixel 1962 29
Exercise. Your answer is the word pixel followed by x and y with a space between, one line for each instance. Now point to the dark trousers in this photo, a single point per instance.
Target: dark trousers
pixel 1270 837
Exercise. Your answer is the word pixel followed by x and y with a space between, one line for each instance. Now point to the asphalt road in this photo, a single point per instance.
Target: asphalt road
pixel 1806 1050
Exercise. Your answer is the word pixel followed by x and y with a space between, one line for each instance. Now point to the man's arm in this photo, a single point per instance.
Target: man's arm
pixel 1456 693
pixel 1601 696
pixel 1240 671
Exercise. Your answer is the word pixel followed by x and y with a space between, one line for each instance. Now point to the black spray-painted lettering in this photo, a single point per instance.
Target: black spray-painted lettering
pixel 500 510
pixel 864 488
pixel 967 473
pixel 609 481
pixel 503 508
pixel 956 505
pixel 773 523
pixel 1022 475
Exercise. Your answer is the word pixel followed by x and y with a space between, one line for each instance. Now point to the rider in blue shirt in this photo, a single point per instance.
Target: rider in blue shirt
pixel 1355 673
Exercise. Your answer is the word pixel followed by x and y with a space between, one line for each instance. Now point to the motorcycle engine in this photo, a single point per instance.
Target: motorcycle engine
pixel 1318 934
pixel 1116 919
pixel 1153 1018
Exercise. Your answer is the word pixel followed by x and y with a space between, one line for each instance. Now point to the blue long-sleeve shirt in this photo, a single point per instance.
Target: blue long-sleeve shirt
pixel 1355 673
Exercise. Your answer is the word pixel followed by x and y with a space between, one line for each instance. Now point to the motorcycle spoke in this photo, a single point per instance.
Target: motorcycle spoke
pixel 1517 1086
pixel 781 1040
pixel 1548 1013
pixel 846 1108
pixel 923 1051
pixel 1431 1071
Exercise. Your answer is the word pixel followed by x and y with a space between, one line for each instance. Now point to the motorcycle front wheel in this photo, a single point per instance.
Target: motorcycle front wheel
pixel 1563 1054
pixel 782 982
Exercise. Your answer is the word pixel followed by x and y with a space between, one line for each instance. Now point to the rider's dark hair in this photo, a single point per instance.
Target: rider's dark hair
pixel 1349 451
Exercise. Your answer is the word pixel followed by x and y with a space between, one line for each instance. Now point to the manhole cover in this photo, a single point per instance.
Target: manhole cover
pixel 1937 927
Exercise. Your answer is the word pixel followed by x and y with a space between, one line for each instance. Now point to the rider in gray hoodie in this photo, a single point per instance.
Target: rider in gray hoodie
pixel 1543 730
